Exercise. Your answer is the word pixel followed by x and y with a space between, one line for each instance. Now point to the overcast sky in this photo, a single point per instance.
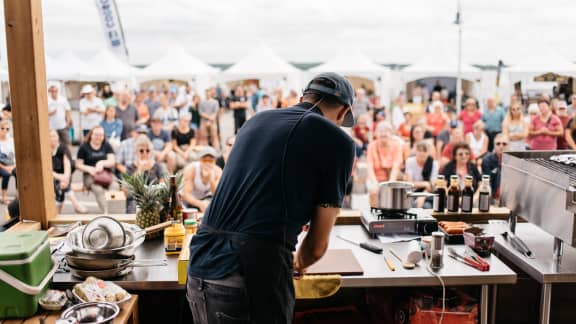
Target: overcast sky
pixel 388 31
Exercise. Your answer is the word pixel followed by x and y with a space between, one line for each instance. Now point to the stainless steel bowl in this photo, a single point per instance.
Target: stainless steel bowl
pixel 92 313
pixel 103 233
pixel 134 238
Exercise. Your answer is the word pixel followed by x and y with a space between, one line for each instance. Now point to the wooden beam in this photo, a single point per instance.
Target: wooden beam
pixel 27 72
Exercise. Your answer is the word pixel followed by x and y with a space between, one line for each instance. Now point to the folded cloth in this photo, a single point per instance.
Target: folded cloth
pixel 317 286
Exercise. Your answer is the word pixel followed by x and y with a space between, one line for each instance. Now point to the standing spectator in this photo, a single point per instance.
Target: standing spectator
pixel 183 141
pixel 208 110
pixel 167 114
pixel 461 165
pixel 95 155
pixel 492 163
pixel 570 134
pixel 108 96
pixel 162 145
pixel 361 104
pixel 61 169
pixel 59 113
pixel 572 107
pixel 421 170
pixel 142 108
pixel 7 158
pixel 515 128
pixel 398 111
pixel 469 115
pixel 361 134
pixel 194 111
pixel 493 118
pixel 384 159
pixel 264 104
pixel 112 127
pixel 201 179
pixel 91 109
pixel 478 140
pixel 239 103
pixel 562 114
pixel 278 98
pixel 545 129
pixel 436 97
pixel 152 101
pixel 127 113
pixel 436 119
pixel 291 100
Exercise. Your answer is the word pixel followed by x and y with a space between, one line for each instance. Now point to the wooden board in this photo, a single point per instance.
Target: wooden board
pixel 337 261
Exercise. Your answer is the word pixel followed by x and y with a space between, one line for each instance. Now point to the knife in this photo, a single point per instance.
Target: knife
pixel 365 245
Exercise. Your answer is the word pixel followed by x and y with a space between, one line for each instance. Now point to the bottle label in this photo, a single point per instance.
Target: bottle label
pixel 484 203
pixel 436 203
pixel 451 203
pixel 467 203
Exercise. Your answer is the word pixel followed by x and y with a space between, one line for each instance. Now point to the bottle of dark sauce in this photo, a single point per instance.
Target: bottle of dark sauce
pixel 467 195
pixel 440 198
pixel 453 200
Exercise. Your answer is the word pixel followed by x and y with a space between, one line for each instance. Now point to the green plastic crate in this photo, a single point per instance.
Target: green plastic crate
pixel 26 269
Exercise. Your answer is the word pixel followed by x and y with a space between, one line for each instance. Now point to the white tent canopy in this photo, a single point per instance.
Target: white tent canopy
pixel 539 63
pixel 439 67
pixel 261 63
pixel 177 64
pixel 68 67
pixel 108 67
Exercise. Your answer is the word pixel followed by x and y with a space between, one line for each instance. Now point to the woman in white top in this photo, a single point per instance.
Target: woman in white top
pixel 515 127
pixel 200 179
pixel 477 140
pixel 421 170
pixel 7 158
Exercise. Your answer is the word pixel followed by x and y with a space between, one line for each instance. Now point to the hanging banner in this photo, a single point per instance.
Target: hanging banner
pixel 113 32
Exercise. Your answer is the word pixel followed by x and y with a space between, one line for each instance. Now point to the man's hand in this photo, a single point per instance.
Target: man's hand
pixel 299 270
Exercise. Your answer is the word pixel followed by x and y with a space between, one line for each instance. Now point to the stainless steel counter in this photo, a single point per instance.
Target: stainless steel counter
pixel 377 274
pixel 141 278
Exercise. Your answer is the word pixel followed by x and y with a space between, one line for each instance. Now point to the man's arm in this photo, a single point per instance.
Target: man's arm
pixel 316 241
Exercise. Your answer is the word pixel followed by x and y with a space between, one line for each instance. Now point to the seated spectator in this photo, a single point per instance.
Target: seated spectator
pixel 183 141
pixel 201 179
pixel 361 134
pixel 405 128
pixel 545 129
pixel 469 115
pixel 95 155
pixel 142 108
pixel 417 134
pixel 208 110
pixel 384 159
pixel 62 169
pixel 167 114
pixel 127 113
pixel 562 113
pixel 461 165
pixel 478 140
pixel 515 127
pixel 112 127
pixel 125 154
pixel 492 164
pixel 421 170
pixel 436 120
pixel 162 145
pixel 7 158
pixel 570 135
pixel 143 164
pixel 444 137
pixel 222 159
pixel 456 137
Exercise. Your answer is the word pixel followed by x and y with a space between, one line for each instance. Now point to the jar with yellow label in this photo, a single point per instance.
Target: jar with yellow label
pixel 174 238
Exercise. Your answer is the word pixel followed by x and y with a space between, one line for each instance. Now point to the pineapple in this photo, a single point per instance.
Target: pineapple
pixel 148 199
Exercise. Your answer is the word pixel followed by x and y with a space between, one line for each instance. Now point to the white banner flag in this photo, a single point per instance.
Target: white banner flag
pixel 112 27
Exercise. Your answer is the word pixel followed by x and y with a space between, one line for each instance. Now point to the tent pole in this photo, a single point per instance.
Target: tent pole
pixel 459 73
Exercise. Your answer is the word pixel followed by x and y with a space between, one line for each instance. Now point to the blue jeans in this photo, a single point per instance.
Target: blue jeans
pixel 6 177
pixel 217 304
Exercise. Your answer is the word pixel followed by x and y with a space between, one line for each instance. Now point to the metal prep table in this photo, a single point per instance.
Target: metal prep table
pixel 542 268
pixel 377 274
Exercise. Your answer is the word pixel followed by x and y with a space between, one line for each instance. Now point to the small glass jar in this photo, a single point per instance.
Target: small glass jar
pixel 191 226
pixel 437 251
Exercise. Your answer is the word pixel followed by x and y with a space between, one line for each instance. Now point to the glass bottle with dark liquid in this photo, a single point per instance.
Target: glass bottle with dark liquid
pixel 484 194
pixel 467 195
pixel 440 198
pixel 453 200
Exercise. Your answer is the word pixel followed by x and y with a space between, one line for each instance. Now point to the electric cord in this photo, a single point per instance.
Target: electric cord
pixel 429 269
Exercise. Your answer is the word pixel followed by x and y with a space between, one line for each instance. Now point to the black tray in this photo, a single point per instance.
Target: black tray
pixel 452 238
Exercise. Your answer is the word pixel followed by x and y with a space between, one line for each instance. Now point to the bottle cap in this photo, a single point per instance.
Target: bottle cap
pixel 454 177
pixel 440 177
pixel 468 178
pixel 190 221
pixel 485 177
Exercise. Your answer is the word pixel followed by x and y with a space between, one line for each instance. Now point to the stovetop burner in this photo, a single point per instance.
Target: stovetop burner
pixel 380 213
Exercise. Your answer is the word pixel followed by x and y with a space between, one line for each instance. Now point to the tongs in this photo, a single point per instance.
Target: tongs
pixel 518 244
pixel 475 262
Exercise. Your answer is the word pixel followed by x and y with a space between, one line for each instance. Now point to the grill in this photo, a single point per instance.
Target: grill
pixel 541 191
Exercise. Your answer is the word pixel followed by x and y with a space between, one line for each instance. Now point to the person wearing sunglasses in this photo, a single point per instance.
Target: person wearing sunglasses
pixel 492 163
pixel 200 179
pixel 462 165
pixel 144 163
pixel 7 158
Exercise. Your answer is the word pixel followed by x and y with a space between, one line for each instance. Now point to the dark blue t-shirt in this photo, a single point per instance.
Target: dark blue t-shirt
pixel 318 164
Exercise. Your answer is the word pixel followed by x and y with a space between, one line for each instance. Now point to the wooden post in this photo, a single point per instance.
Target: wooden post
pixel 27 72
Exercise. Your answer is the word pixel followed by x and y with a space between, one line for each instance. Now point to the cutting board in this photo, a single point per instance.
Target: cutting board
pixel 337 261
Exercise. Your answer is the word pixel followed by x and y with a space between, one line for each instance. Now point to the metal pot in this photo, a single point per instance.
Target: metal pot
pixel 395 195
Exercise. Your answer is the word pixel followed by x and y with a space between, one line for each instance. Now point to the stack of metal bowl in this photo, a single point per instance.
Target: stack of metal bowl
pixel 103 248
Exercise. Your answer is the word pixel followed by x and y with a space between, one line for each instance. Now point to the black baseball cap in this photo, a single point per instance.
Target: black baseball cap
pixel 342 92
